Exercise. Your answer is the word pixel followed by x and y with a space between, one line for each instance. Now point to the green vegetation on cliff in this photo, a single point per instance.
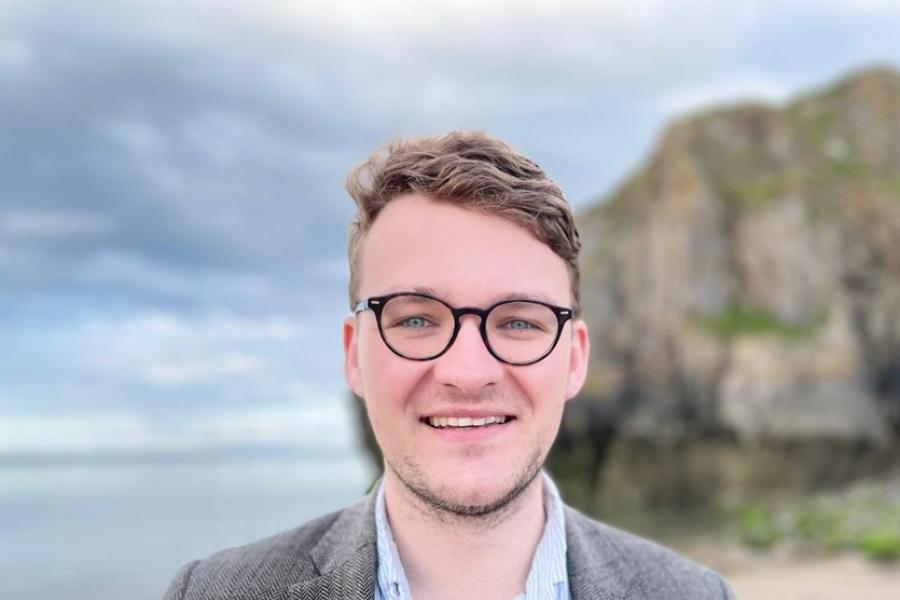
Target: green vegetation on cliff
pixel 865 518
pixel 736 321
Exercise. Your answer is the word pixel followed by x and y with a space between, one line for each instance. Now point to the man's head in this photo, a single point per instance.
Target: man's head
pixel 465 220
pixel 468 169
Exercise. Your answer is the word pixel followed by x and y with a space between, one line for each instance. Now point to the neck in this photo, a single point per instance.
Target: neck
pixel 448 556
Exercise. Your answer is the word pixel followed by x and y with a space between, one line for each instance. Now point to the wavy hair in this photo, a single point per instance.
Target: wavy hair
pixel 470 169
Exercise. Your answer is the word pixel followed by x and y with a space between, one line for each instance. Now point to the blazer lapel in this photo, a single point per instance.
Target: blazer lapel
pixel 347 581
pixel 596 571
pixel 345 558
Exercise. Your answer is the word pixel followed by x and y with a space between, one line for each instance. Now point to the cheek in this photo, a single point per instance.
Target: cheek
pixel 389 380
pixel 550 382
pixel 547 390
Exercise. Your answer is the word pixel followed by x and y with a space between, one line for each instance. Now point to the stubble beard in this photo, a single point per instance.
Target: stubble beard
pixel 438 504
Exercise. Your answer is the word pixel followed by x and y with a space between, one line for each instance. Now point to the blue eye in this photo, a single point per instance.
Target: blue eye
pixel 519 324
pixel 414 322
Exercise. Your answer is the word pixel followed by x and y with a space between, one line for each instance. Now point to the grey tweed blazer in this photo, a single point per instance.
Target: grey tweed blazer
pixel 335 557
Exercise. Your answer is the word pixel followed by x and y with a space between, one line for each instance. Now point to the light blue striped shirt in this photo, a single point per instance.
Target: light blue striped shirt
pixel 547 579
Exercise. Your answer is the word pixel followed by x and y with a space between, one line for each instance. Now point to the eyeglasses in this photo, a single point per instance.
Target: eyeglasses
pixel 420 327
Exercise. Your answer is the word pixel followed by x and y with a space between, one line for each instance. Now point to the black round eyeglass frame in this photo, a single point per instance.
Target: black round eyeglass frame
pixel 377 303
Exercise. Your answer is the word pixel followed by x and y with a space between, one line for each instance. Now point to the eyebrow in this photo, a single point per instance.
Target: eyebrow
pixel 540 297
pixel 424 290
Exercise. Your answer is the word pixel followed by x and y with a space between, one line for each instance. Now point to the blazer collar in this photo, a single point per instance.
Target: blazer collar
pixel 345 557
pixel 596 569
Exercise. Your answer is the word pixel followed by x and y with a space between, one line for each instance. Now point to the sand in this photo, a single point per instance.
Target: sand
pixel 820 579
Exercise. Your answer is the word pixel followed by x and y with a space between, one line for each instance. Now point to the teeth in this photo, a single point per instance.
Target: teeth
pixel 465 421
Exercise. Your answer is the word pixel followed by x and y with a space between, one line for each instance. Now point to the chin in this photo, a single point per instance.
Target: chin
pixel 478 495
pixel 475 494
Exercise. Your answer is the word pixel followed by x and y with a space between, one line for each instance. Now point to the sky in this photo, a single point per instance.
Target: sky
pixel 172 213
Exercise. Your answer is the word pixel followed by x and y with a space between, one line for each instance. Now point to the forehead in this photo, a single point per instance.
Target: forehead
pixel 464 255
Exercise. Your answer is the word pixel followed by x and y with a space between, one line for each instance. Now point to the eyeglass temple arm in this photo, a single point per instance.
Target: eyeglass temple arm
pixel 367 303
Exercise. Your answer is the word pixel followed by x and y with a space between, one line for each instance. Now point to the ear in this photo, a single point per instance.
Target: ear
pixel 578 358
pixel 351 356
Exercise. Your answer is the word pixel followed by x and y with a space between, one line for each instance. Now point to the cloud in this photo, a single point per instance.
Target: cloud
pixel 742 88
pixel 218 369
pixel 857 7
pixel 16 55
pixel 161 363
pixel 170 350
pixel 426 18
pixel 322 425
pixel 31 432
pixel 25 223
pixel 120 271
pixel 164 126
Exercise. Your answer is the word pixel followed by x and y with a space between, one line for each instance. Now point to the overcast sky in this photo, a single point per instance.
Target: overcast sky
pixel 172 213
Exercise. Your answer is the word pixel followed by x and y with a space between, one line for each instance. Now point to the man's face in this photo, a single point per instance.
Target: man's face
pixel 466 258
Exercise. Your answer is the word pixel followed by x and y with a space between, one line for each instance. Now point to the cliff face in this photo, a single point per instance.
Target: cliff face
pixel 745 284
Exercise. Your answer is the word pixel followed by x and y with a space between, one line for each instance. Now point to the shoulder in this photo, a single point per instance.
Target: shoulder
pixel 601 555
pixel 263 569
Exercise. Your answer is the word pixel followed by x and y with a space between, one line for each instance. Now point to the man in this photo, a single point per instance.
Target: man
pixel 465 342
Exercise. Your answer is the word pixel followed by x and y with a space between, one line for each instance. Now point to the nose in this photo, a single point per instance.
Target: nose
pixel 467 365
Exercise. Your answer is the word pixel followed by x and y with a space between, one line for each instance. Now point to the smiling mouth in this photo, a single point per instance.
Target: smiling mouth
pixel 463 422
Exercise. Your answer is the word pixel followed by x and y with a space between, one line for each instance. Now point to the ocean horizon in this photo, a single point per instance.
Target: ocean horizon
pixel 105 524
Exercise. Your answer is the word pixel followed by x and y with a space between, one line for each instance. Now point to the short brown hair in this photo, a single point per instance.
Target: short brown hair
pixel 469 169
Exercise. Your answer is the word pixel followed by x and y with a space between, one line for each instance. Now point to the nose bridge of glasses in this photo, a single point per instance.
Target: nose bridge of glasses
pixel 479 322
pixel 459 313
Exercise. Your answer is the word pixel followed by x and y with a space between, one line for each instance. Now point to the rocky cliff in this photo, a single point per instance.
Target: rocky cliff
pixel 743 293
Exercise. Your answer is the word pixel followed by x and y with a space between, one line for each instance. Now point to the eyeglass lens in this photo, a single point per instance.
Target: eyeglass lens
pixel 419 327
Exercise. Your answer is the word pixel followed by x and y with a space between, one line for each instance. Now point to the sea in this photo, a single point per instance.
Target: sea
pixel 118 526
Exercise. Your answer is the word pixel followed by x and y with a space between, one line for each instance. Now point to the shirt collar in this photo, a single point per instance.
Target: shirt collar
pixel 548 568
pixel 391 579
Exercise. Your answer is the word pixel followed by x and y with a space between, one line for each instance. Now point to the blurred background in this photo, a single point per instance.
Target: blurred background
pixel 173 273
